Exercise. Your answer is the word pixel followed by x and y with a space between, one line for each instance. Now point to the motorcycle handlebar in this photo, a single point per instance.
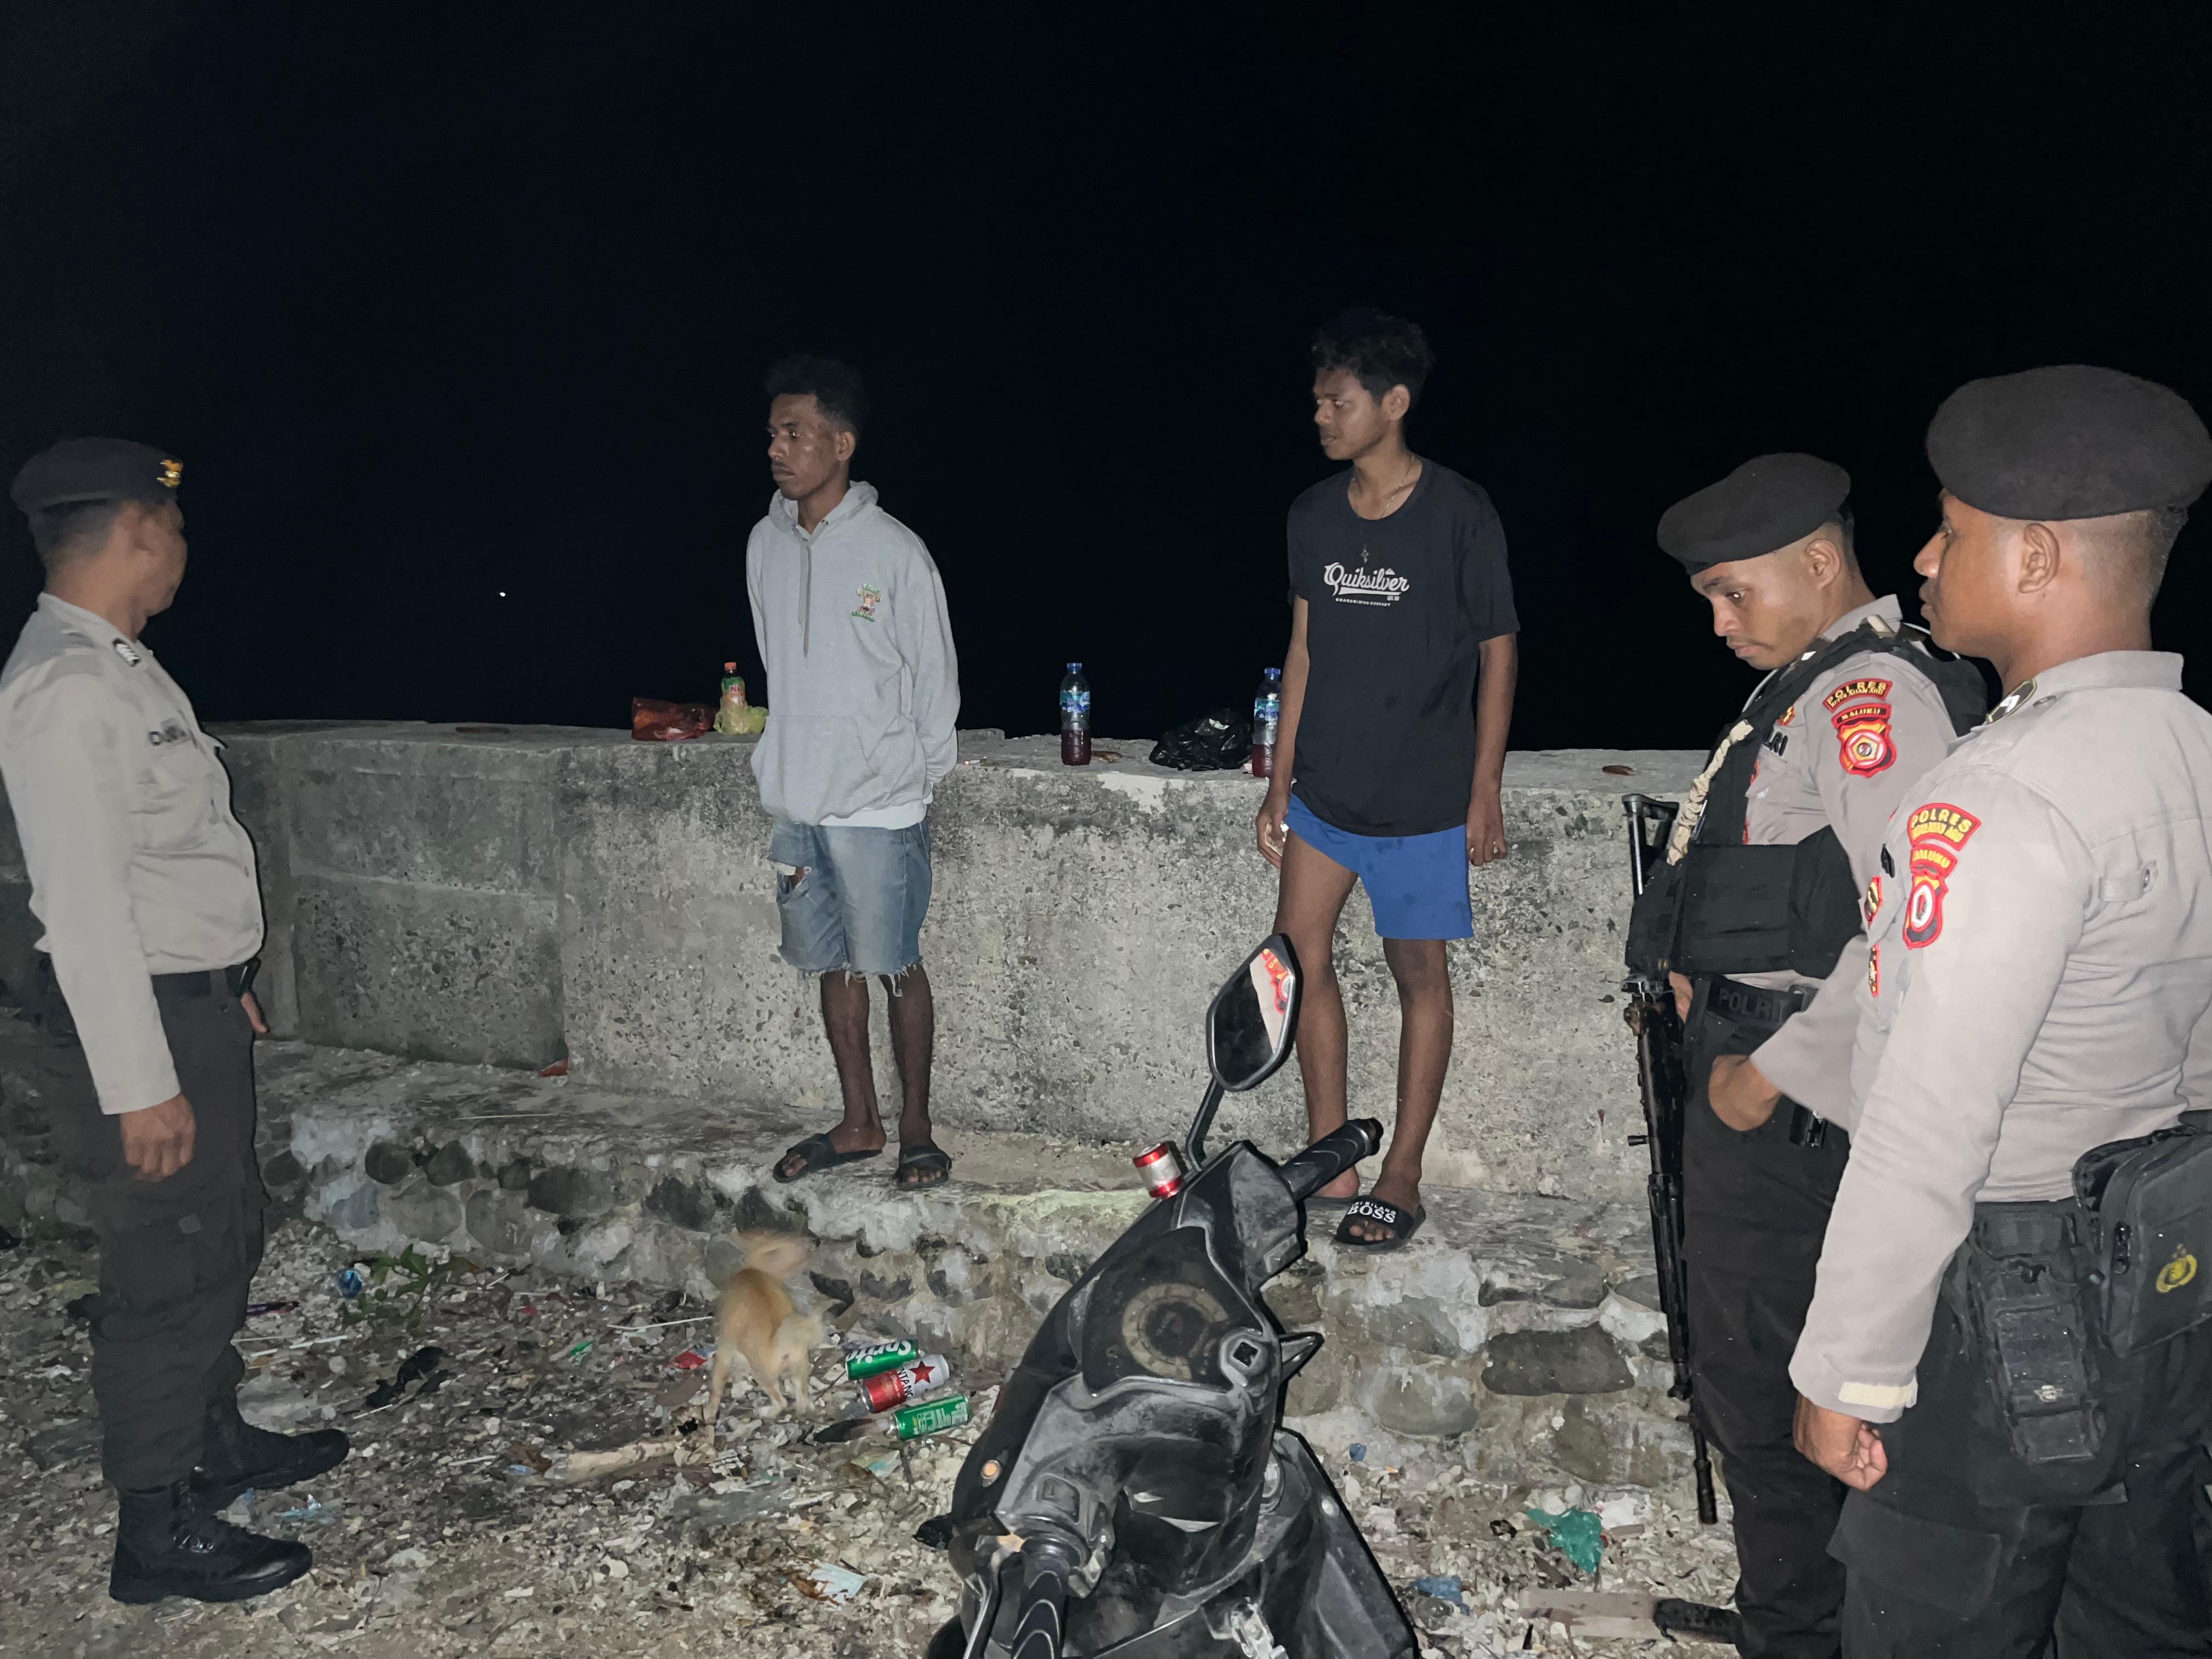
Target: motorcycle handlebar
pixel 1051 1562
pixel 1331 1156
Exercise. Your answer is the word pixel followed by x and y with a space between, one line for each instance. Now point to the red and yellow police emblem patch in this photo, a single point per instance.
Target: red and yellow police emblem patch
pixel 1939 833
pixel 1859 710
pixel 1871 901
pixel 1874 971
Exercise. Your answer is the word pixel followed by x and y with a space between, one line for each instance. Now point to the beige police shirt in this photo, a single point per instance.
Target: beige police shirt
pixel 2039 975
pixel 1850 750
pixel 137 866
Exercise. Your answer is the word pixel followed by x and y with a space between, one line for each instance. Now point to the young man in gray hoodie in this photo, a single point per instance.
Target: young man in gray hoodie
pixel 863 691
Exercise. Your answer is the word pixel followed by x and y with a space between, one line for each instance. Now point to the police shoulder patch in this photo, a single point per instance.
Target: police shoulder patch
pixel 1938 834
pixel 1863 744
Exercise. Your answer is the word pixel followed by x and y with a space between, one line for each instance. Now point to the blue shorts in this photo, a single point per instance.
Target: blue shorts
pixel 1417 884
pixel 860 905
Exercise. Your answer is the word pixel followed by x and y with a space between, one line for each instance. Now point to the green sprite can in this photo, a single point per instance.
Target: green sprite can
pixel 879 1357
pixel 930 1417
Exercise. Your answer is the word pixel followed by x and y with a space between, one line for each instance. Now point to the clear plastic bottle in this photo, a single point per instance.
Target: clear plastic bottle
pixel 1074 717
pixel 1266 721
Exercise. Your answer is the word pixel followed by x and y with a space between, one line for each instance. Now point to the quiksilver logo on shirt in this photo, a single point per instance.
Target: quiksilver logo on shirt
pixel 170 732
pixel 1365 586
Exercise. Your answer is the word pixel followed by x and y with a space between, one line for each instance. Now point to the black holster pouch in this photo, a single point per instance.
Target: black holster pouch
pixel 1652 923
pixel 2025 1278
pixel 2147 1210
pixel 1755 909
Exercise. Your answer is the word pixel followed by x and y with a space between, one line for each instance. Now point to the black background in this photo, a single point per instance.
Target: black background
pixel 439 303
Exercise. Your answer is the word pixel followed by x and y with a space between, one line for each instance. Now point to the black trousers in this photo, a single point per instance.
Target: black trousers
pixel 1939 1571
pixel 1757 1206
pixel 176 1257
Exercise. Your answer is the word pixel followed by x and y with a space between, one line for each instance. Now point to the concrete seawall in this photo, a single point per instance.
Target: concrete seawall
pixel 514 895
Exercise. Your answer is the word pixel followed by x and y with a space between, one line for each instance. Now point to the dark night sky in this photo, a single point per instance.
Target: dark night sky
pixel 437 304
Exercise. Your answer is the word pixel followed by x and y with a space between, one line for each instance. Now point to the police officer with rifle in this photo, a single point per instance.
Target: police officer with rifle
pixel 2009 1354
pixel 1752 913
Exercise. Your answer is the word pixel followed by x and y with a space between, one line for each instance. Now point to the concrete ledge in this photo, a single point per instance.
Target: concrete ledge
pixel 1522 1328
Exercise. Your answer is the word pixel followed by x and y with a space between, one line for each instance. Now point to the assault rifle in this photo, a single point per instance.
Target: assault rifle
pixel 1651 1016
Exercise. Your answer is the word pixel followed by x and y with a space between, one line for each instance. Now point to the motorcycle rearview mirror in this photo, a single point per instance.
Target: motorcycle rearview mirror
pixel 1250 1029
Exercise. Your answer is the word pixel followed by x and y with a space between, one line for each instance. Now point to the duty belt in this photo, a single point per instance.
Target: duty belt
pixel 204 982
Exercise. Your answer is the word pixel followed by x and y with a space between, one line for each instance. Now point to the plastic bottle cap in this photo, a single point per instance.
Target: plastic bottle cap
pixel 1075 668
pixel 729 668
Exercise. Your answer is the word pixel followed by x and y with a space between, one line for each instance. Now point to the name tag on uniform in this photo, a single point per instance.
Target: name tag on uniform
pixel 170 732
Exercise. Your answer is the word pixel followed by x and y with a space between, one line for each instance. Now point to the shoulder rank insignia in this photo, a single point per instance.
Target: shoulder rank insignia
pixel 1939 833
pixel 129 653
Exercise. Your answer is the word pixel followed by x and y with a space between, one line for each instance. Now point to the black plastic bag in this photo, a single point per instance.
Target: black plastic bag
pixel 1218 742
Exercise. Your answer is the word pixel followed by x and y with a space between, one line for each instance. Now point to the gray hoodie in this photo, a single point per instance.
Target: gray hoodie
pixel 863 686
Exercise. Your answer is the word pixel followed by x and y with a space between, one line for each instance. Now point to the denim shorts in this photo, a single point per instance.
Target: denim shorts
pixel 861 904
pixel 1417 884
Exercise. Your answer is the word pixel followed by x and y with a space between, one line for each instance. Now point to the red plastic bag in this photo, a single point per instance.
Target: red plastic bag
pixel 652 720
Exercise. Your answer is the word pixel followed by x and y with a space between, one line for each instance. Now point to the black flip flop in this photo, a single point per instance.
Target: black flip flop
pixel 927 1159
pixel 1403 1223
pixel 820 1153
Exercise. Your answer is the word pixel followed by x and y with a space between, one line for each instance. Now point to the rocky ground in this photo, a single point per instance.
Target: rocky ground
pixel 467 1522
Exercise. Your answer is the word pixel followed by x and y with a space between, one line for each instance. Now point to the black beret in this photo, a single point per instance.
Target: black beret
pixel 96 470
pixel 2069 442
pixel 1765 504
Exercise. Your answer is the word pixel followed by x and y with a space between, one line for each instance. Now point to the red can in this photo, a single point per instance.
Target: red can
pixel 1162 1169
pixel 887 1389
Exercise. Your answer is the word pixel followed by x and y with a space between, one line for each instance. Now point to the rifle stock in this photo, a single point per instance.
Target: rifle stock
pixel 1665 1087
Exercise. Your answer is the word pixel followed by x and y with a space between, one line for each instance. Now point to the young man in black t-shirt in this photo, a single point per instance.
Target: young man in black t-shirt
pixel 1397 692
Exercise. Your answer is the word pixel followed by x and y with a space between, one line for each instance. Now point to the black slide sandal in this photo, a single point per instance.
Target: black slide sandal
pixel 820 1153
pixel 1403 1223
pixel 932 1164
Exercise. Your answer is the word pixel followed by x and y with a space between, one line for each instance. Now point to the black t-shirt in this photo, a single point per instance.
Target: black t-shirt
pixel 1396 609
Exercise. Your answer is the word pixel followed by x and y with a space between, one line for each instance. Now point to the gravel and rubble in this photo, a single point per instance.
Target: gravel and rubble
pixel 469 1520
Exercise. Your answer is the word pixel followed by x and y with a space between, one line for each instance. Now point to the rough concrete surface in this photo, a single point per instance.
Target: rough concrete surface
pixel 517 894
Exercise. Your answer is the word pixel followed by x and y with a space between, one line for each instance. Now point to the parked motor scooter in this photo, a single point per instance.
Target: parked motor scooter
pixel 1134 1494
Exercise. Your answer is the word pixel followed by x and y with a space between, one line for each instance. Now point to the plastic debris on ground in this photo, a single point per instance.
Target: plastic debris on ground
pixel 531 1505
pixel 1579 1534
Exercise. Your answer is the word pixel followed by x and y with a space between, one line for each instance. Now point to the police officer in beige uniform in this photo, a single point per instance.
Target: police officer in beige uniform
pixel 1757 897
pixel 2006 1355
pixel 145 886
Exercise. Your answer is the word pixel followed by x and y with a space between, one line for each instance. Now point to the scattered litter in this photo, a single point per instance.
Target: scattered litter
pixel 558 1068
pixel 598 1465
pixel 1444 1589
pixel 579 1348
pixel 313 1509
pixel 351 1283
pixel 421 1366
pixel 1356 1452
pixel 871 1357
pixel 66 1442
pixel 54 1372
pixel 828 1582
pixel 1578 1534
pixel 690 1360
pixel 255 1310
pixel 882 1465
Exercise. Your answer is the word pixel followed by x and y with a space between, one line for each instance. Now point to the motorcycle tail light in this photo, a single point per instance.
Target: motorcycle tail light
pixel 1162 1169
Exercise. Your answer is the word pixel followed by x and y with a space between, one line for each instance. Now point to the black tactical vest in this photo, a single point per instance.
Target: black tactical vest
pixel 1729 908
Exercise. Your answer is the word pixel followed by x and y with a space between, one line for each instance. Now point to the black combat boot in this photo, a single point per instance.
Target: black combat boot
pixel 169 1543
pixel 236 1456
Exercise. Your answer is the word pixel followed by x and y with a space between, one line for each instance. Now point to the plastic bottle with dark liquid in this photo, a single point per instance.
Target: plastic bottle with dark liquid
pixel 1074 717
